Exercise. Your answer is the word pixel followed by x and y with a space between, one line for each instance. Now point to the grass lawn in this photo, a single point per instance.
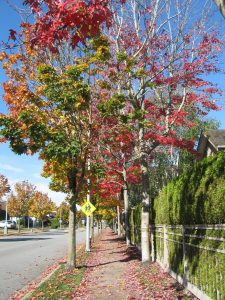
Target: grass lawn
pixel 61 285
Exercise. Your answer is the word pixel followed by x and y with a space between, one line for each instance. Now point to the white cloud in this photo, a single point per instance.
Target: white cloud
pixel 12 182
pixel 8 167
pixel 56 197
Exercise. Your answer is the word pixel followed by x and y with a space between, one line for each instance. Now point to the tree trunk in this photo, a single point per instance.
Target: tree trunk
pixel 127 214
pixel 118 221
pixel 145 233
pixel 92 228
pixel 98 225
pixel 113 224
pixel 101 225
pixel 132 234
pixel 71 255
pixel 19 224
pixel 42 225
pixel 126 200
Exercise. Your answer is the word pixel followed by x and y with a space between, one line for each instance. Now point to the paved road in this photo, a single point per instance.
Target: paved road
pixel 24 258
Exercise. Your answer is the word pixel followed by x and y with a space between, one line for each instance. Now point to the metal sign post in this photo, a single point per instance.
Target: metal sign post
pixel 88 217
pixel 6 220
pixel 88 208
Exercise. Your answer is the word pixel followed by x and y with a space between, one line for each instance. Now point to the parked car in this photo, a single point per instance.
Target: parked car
pixel 10 224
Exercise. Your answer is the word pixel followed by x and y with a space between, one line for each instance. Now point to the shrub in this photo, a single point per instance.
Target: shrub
pixel 54 223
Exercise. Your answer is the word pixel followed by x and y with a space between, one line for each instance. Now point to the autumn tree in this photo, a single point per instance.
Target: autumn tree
pixel 155 78
pixel 41 206
pixel 50 110
pixel 62 212
pixel 160 54
pixel 4 186
pixel 20 200
pixel 51 119
pixel 4 189
pixel 57 21
pixel 117 159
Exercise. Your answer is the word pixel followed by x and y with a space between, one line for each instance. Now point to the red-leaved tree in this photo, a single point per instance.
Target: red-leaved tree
pixel 161 56
pixel 70 20
pixel 121 168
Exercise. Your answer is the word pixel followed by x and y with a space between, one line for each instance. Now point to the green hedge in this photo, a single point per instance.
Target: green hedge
pixel 207 268
pixel 197 197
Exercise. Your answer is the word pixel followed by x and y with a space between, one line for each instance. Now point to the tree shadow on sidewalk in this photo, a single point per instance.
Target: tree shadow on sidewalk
pixel 114 240
pixel 95 249
pixel 132 253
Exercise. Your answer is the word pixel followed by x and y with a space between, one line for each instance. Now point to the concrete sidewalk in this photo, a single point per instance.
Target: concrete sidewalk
pixel 106 276
pixel 115 272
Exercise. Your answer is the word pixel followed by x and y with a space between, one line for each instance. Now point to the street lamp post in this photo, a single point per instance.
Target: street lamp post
pixel 6 218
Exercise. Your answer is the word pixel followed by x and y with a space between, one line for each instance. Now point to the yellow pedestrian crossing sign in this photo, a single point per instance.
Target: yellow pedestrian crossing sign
pixel 88 208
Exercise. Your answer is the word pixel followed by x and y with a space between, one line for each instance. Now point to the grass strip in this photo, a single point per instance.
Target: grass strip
pixel 62 284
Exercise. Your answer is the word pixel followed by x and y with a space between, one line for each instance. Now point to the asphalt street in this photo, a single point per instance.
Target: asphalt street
pixel 24 258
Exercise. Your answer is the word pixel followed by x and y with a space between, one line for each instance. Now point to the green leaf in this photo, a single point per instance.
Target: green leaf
pixel 121 56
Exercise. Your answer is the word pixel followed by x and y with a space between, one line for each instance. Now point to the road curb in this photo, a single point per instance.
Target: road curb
pixel 26 233
pixel 21 233
pixel 25 297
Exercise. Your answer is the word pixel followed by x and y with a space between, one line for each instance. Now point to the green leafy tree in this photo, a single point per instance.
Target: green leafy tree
pixel 50 112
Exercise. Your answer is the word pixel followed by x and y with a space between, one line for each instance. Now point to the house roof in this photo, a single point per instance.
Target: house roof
pixel 215 137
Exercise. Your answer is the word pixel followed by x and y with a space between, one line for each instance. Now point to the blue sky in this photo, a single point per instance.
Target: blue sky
pixel 19 168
